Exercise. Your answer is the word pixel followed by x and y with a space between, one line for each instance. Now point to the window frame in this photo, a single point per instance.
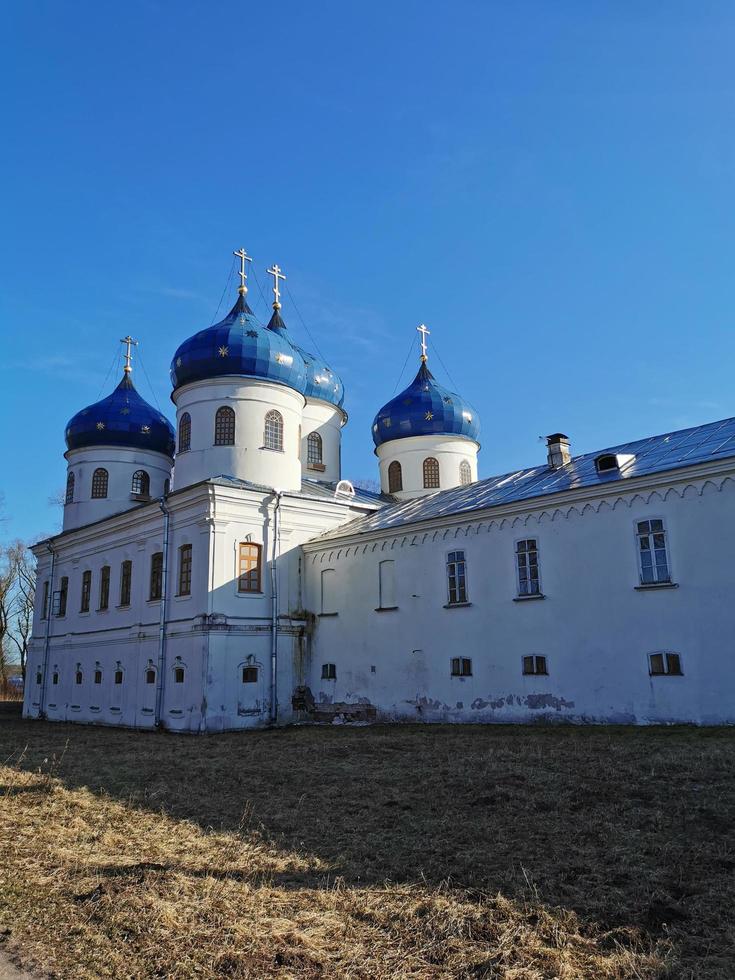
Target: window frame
pixel 70 484
pixel 314 450
pixel 460 666
pixel 225 426
pixel 85 599
pixel 517 554
pixel 652 550
pixel 244 577
pixel 104 595
pixel 140 483
pixel 668 659
pixel 186 565
pixel 395 486
pixel 155 581
pixel 63 596
pixel 430 470
pixel 329 672
pixel 126 582
pixel 273 431
pixel 465 469
pixel 538 664
pixel 184 444
pixel 100 483
pixel 448 563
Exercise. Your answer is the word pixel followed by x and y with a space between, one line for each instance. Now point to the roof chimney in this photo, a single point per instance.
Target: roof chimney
pixel 559 450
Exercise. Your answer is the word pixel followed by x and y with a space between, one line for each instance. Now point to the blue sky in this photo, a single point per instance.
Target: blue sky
pixel 549 186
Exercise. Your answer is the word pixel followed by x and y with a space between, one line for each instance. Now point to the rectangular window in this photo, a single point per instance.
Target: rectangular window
pixel 105 587
pixel 98 676
pixel 456 577
pixel 63 595
pixel 328 592
pixel 44 612
pixel 329 672
pixel 250 675
pixel 652 553
pixel 534 665
pixel 665 663
pixel 156 588
pixel 461 667
pixel 126 577
pixel 387 585
pixel 527 562
pixel 248 567
pixel 86 590
pixel 185 569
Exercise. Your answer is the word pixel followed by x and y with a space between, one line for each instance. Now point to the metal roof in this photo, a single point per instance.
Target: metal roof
pixel 671 451
pixel 316 489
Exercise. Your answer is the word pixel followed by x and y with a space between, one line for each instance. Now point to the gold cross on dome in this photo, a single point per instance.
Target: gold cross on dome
pixel 424 333
pixel 243 273
pixel 129 342
pixel 275 271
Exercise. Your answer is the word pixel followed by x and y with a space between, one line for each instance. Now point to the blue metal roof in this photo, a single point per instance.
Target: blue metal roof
pixel 239 345
pixel 425 408
pixel 672 451
pixel 321 381
pixel 121 419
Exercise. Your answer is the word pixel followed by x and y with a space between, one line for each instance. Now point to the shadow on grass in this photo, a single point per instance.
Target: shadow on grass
pixel 627 827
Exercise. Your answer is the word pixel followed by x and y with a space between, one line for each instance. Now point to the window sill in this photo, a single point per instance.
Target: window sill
pixel 152 600
pixel 104 609
pixel 183 595
pixel 249 595
pixel 654 586
pixel 318 467
pixel 529 598
pixel 84 612
pixel 664 674
pixel 386 608
pixel 536 673
pixel 124 605
pixel 270 449
pixel 326 615
pixel 457 605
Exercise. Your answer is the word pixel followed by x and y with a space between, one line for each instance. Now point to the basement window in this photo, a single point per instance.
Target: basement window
pixel 534 665
pixel 665 663
pixel 329 672
pixel 250 675
pixel 461 667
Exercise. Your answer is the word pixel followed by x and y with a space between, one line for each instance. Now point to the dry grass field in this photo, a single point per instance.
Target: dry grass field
pixel 421 852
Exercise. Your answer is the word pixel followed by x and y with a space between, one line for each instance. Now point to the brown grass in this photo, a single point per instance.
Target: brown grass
pixel 435 852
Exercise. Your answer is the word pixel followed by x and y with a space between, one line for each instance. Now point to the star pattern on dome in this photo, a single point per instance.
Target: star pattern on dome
pixel 279 358
pixel 223 351
pixel 100 425
pixel 386 423
pixel 145 428
pixel 125 411
pixel 429 416
pixel 178 362
pixel 251 333
pixel 447 400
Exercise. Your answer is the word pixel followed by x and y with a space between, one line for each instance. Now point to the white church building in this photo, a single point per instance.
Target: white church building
pixel 222 574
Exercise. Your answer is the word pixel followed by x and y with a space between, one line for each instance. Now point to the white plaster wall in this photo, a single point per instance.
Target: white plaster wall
pixel 120 463
pixel 247 459
pixel 593 626
pixel 411 452
pixel 327 420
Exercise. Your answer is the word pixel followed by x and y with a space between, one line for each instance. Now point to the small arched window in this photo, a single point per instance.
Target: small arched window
pixel 166 487
pixel 273 435
pixel 314 449
pixel 185 432
pixel 465 473
pixel 431 473
pixel 224 426
pixel 118 675
pixel 395 477
pixel 69 488
pixel 141 483
pixel 98 675
pixel 178 675
pixel 78 676
pixel 99 484
pixel 150 675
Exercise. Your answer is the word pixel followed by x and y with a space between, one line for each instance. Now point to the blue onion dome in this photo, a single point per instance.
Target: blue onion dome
pixel 121 419
pixel 321 381
pixel 425 408
pixel 239 345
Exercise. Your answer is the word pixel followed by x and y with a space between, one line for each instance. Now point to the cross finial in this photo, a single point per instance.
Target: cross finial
pixel 243 257
pixel 129 342
pixel 275 271
pixel 424 333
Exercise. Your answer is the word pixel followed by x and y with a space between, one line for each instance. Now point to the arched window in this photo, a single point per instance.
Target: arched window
pixel 69 488
pixel 166 487
pixel 314 449
pixel 395 477
pixel 465 473
pixel 98 674
pixel 431 473
pixel 150 675
pixel 178 675
pixel 273 436
pixel 141 483
pixel 78 676
pixel 224 426
pixel 185 433
pixel 119 675
pixel 99 484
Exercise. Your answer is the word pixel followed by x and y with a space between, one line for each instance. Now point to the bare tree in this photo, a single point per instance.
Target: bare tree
pixel 7 577
pixel 22 600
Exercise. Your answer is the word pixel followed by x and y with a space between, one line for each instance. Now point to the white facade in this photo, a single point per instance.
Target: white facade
pixel 452 454
pixel 248 458
pixel 593 621
pixel 119 465
pixel 323 422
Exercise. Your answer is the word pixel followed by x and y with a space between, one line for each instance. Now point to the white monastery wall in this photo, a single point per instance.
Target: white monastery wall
pixel 326 420
pixel 449 452
pixel 595 626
